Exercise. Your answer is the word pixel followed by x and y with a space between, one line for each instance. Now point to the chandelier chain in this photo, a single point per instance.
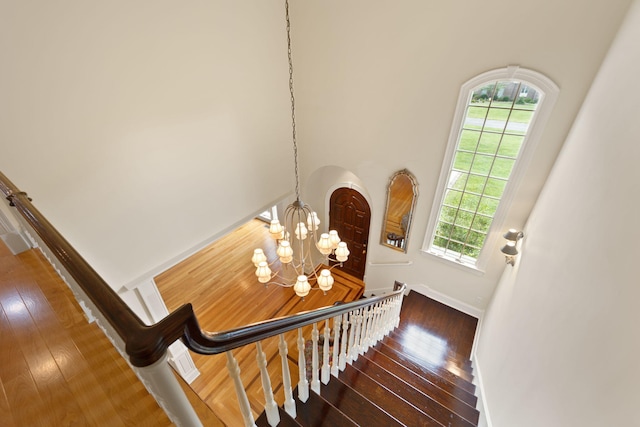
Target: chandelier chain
pixel 293 102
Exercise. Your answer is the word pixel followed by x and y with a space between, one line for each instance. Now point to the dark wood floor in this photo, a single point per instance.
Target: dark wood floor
pixel 440 325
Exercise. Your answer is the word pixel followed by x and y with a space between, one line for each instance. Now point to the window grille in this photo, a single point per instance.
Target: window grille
pixel 498 117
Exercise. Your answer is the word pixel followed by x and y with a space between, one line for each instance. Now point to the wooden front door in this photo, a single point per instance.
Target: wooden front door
pixel 350 215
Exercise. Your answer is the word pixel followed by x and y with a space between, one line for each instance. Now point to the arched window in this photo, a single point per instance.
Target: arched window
pixel 499 117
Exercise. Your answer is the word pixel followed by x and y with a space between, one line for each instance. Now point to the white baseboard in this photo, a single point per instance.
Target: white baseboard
pixel 485 418
pixel 447 300
pixel 16 242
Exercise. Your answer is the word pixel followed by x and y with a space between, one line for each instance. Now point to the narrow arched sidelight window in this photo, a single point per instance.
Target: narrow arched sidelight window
pixel 499 117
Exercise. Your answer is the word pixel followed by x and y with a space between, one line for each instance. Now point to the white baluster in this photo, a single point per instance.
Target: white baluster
pixel 335 369
pixel 363 331
pixel 354 337
pixel 303 384
pixel 342 362
pixel 389 319
pixel 270 406
pixel 243 401
pixel 289 403
pixel 370 328
pixel 326 370
pixel 315 380
pixel 378 325
pixel 398 308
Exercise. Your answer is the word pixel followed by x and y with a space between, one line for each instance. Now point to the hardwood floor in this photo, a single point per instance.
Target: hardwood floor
pixel 220 283
pixel 439 325
pixel 55 368
pixel 208 278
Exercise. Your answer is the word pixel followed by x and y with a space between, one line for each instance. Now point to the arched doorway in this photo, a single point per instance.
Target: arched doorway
pixel 350 216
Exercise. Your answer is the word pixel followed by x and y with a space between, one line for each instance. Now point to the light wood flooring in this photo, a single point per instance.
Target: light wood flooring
pixel 220 283
pixel 55 368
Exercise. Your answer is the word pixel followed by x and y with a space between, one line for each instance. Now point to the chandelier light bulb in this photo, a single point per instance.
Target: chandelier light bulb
pixel 301 231
pixel 325 280
pixel 313 222
pixel 302 286
pixel 276 230
pixel 342 253
pixel 334 239
pixel 284 252
pixel 258 257
pixel 324 244
pixel 263 272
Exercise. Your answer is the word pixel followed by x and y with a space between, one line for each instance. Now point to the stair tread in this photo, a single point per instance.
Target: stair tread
pixel 355 406
pixel 416 397
pixel 317 412
pixel 432 357
pixel 437 376
pixel 399 408
pixel 461 402
pixel 418 336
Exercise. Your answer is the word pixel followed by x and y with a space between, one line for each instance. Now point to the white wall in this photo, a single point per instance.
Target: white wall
pixel 377 83
pixel 141 129
pixel 145 129
pixel 559 342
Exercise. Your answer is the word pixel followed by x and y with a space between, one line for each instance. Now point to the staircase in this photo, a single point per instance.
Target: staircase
pixel 410 378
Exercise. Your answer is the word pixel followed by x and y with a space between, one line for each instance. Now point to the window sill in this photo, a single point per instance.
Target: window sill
pixel 461 265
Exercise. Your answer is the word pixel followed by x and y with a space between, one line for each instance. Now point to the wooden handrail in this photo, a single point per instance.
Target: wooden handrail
pixel 146 344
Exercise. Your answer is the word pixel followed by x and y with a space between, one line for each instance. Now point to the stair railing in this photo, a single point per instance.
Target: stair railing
pixel 356 327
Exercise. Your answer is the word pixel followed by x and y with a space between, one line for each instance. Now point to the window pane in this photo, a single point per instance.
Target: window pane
pixel 471 252
pixel 458 180
pixel 448 214
pixel 469 140
pixel 452 198
pixel 495 187
pixel 476 239
pixel 502 167
pixel 510 146
pixel 482 164
pixel 476 184
pixel 440 242
pixel 463 161
pixel 455 247
pixel 475 118
pixel 519 122
pixel 470 202
pixel 489 143
pixel 496 120
pixel 481 223
pixel 464 219
pixel 484 93
pixel 444 230
pixel 488 206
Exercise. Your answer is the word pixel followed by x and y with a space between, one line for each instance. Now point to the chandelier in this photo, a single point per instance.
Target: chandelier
pixel 298 234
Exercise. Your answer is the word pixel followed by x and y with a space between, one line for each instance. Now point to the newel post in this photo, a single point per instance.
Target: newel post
pixel 161 382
